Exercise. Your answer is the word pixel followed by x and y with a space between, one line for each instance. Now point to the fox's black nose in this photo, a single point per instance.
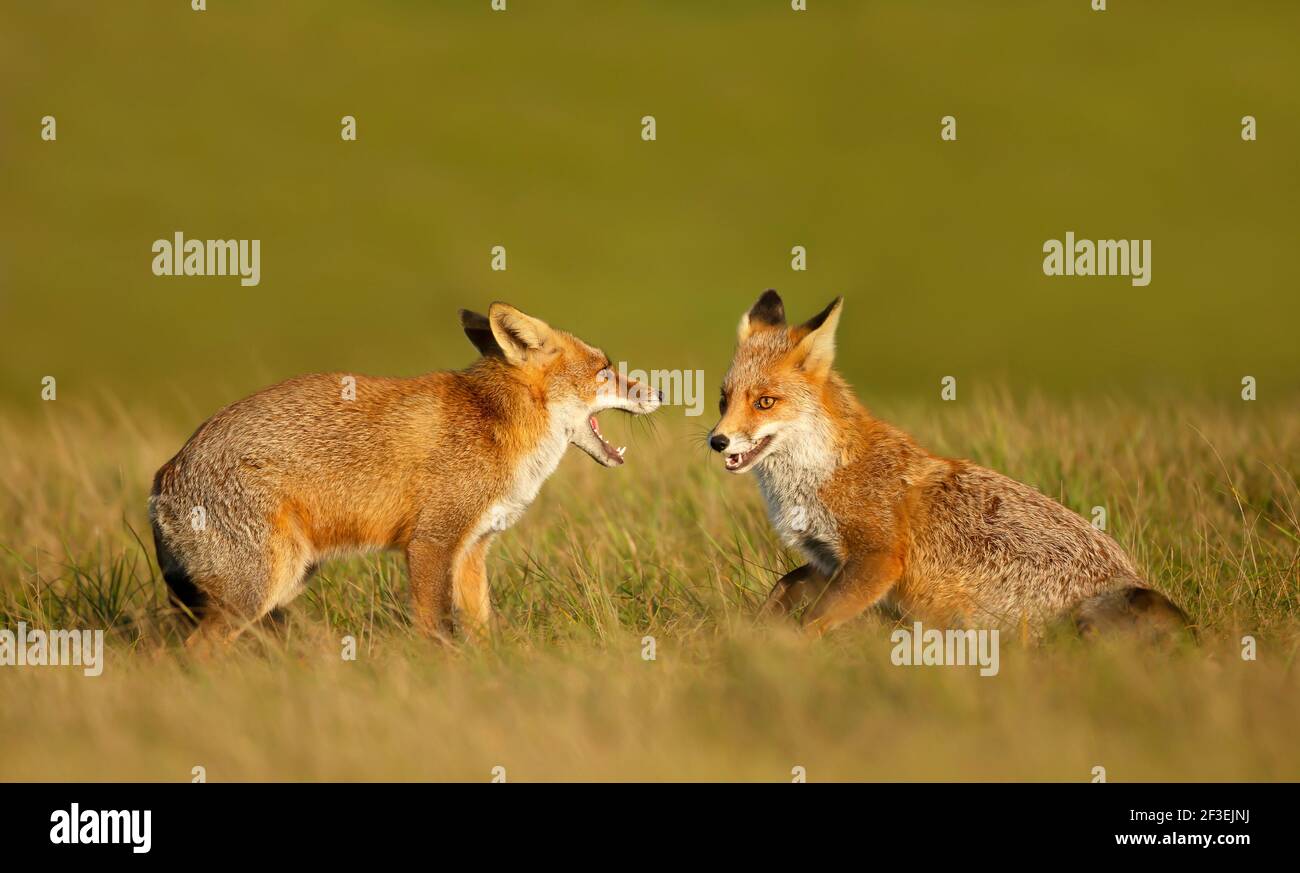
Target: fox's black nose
pixel 718 441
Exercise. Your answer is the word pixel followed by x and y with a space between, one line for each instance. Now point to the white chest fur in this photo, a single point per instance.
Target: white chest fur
pixel 526 479
pixel 790 481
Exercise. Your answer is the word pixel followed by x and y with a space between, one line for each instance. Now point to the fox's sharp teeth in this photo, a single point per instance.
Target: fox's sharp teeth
pixel 621 450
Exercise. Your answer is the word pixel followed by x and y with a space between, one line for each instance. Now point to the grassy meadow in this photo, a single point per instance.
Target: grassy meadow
pixel 671 547
pixel 774 129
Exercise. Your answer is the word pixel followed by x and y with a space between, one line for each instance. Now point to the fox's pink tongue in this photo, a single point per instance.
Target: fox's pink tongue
pixel 615 454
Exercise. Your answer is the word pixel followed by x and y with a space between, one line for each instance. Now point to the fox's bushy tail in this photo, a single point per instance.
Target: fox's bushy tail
pixel 1135 610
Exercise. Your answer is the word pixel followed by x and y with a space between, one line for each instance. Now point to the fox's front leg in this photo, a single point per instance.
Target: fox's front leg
pixel 429 564
pixel 800 584
pixel 469 592
pixel 860 583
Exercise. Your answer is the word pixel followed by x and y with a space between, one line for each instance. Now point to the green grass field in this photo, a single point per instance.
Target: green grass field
pixel 775 129
pixel 669 546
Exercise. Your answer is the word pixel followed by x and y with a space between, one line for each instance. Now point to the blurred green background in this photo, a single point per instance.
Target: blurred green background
pixel 522 129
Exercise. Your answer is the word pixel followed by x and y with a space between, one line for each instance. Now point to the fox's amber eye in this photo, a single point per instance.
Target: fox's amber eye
pixel 722 402
pixel 765 402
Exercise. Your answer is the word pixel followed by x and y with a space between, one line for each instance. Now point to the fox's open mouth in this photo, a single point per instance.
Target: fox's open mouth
pixel 737 462
pixel 615 455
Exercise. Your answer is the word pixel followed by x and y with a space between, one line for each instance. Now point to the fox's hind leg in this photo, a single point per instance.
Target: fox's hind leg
pixel 227 562
pixel 191 597
pixel 243 591
pixel 258 598
pixel 216 631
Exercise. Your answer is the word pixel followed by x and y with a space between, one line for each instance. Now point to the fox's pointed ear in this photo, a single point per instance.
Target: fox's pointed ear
pixel 479 332
pixel 814 350
pixel 517 334
pixel 769 311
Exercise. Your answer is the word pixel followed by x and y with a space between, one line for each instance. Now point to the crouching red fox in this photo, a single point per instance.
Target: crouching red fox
pixel 882 521
pixel 433 466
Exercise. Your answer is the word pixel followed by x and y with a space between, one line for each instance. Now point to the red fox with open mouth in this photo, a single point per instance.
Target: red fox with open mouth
pixel 434 465
pixel 882 521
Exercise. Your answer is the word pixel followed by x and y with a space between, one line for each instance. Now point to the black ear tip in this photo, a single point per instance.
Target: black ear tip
pixel 769 309
pixel 471 319
pixel 820 318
